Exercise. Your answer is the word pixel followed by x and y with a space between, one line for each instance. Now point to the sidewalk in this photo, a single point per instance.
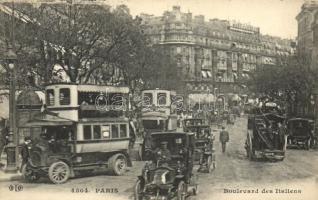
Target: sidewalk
pixel 4 177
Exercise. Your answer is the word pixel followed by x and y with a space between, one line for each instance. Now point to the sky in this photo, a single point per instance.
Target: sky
pixel 274 17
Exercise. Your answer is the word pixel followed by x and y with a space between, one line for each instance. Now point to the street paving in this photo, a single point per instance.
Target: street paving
pixel 298 172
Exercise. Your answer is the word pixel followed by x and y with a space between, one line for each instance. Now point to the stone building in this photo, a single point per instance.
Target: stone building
pixel 215 53
pixel 307 39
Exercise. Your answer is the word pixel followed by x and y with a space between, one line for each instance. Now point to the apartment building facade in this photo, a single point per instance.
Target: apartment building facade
pixel 216 53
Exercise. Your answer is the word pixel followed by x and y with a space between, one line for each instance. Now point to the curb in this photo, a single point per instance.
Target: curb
pixel 5 177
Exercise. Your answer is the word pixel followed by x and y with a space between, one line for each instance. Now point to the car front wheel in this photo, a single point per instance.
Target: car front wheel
pixel 181 195
pixel 59 172
pixel 138 195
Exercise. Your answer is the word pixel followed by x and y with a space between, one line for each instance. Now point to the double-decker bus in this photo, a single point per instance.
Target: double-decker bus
pixel 158 113
pixel 83 127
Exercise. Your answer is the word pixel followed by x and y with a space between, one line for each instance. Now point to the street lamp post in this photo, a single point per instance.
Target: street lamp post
pixel 12 153
pixel 214 92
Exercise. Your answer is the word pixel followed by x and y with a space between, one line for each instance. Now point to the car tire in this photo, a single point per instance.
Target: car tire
pixel 28 174
pixel 307 145
pixel 118 164
pixel 59 172
pixel 181 193
pixel 249 149
pixel 137 189
pixel 210 164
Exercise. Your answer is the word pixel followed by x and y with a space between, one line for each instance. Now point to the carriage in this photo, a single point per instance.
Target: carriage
pixel 168 179
pixel 300 132
pixel 81 130
pixel 264 139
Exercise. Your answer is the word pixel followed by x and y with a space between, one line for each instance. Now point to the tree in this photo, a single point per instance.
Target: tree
pixel 292 83
pixel 89 42
pixel 82 39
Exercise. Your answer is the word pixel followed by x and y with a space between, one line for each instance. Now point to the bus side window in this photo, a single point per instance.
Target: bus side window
pixel 96 132
pixel 87 132
pixel 105 131
pixel 65 96
pixel 50 97
pixel 123 131
pixel 115 133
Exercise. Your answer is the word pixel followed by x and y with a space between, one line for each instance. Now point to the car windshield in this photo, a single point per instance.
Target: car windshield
pixel 58 132
pixel 175 142
pixel 153 124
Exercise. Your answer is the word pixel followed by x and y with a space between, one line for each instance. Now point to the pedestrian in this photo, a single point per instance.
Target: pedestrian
pixel 224 138
pixel 25 151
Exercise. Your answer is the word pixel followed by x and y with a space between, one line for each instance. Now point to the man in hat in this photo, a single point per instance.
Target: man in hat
pixel 224 138
pixel 163 152
pixel 25 150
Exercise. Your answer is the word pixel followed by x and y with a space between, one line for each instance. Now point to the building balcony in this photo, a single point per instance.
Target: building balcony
pixel 176 41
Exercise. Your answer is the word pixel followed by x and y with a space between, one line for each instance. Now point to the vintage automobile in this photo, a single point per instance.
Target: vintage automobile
pixel 171 178
pixel 300 132
pixel 204 152
pixel 263 138
pixel 192 122
pixel 157 115
pixel 79 135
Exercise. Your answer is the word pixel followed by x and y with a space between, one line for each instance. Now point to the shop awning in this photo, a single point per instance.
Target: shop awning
pixel 202 98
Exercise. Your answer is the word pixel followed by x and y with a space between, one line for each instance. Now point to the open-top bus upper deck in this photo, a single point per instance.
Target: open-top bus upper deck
pixel 76 101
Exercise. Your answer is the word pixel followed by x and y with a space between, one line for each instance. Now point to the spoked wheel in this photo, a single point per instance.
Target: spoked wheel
pixel 249 148
pixel 307 145
pixel 182 190
pixel 59 172
pixel 209 163
pixel 28 174
pixel 137 191
pixel 118 164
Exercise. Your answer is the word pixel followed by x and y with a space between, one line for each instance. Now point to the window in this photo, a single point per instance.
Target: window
pixel 123 130
pixel 65 97
pixel 162 98
pixel 105 131
pixel 209 74
pixel 96 132
pixel 204 75
pixel 50 97
pixel 148 99
pixel 115 131
pixel 87 132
